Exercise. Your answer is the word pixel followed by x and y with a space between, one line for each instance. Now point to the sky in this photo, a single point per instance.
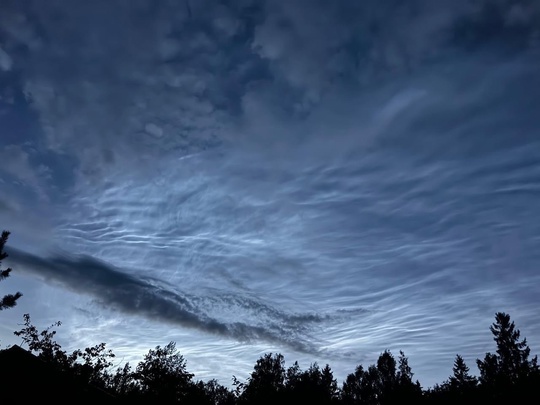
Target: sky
pixel 323 179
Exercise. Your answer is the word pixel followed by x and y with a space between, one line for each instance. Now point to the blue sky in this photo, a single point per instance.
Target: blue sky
pixel 322 179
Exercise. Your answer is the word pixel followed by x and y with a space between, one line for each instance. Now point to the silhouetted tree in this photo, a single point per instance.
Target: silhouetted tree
pixel 8 300
pixel 459 388
pixel 42 343
pixel 509 371
pixel 162 375
pixel 123 382
pixel 267 381
pixel 89 365
pixel 386 366
pixel 312 386
pixel 461 380
pixel 351 391
pixel 366 386
pixel 328 385
pixel 388 378
pixel 370 386
pixel 387 382
pixel 218 394
pixel 406 389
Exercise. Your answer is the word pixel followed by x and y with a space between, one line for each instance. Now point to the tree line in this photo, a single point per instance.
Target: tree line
pixel 510 375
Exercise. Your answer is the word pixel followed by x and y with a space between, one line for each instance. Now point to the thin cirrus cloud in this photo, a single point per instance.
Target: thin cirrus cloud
pixel 333 178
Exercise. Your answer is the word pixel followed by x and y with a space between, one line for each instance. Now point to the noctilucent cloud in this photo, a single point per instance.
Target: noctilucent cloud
pixel 324 179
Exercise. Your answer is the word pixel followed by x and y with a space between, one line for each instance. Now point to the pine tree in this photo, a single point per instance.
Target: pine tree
pixel 509 371
pixel 9 300
pixel 513 352
pixel 512 358
pixel 461 379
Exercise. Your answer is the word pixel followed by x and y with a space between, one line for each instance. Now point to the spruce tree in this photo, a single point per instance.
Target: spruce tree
pixel 461 379
pixel 509 371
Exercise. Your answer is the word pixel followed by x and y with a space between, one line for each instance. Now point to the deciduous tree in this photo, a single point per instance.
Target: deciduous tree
pixel 162 374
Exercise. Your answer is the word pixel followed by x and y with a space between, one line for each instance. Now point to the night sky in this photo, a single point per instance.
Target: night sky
pixel 324 179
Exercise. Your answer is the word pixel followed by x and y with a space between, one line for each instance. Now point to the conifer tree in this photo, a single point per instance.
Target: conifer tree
pixel 461 379
pixel 508 373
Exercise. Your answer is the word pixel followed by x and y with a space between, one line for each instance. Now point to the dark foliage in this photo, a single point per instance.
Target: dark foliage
pixel 507 376
pixel 89 365
pixel 313 386
pixel 266 384
pixel 162 375
pixel 8 300
pixel 461 387
pixel 387 382
pixel 509 373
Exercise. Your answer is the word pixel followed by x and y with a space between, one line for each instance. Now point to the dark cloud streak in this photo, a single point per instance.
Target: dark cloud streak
pixel 143 297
